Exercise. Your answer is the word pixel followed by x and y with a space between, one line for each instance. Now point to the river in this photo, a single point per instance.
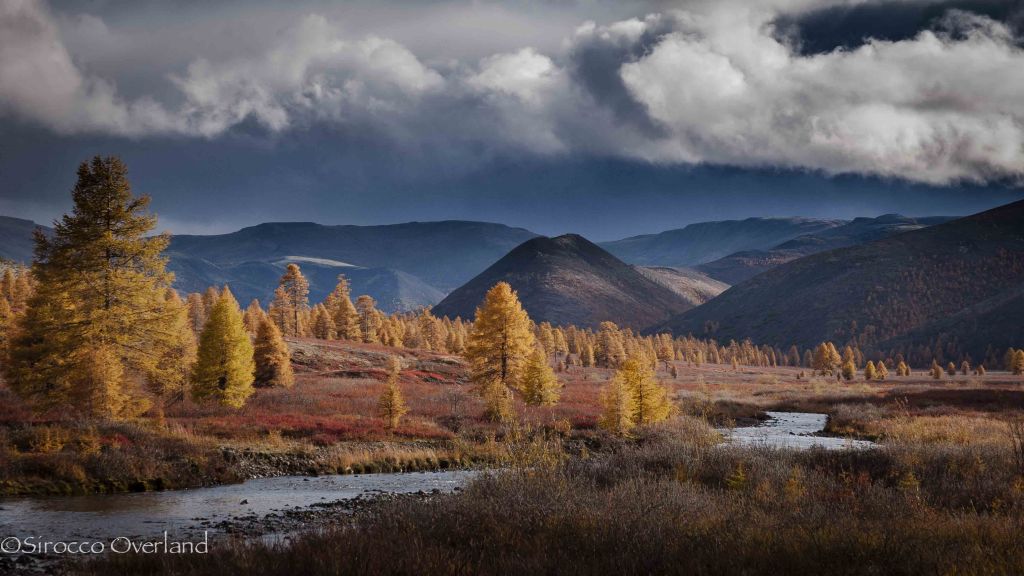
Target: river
pixel 188 513
pixel 799 430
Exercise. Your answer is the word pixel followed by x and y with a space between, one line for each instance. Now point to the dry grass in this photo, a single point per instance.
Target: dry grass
pixel 672 503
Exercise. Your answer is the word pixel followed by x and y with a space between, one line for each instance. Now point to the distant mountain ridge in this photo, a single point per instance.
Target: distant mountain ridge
pixel 570 280
pixel 403 266
pixel 950 288
pixel 16 243
pixel 707 241
pixel 736 268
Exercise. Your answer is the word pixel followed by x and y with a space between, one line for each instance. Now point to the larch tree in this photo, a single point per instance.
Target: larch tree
pixel 294 293
pixel 498 349
pixel 902 369
pixel 1018 362
pixel 271 357
pixel 176 361
pixel 609 351
pixel 253 316
pixel 881 372
pixel 650 398
pixel 224 370
pixel 540 386
pixel 322 323
pixel 6 323
pixel 617 408
pixel 370 321
pixel 196 312
pixel 849 369
pixel 343 312
pixel 869 371
pixel 98 327
pixel 391 405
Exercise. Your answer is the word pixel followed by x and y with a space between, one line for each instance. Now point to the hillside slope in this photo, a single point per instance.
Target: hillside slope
pixel 695 287
pixel 875 293
pixel 570 280
pixel 708 241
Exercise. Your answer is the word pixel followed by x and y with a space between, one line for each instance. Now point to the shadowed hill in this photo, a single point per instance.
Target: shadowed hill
pixel 570 280
pixel 899 290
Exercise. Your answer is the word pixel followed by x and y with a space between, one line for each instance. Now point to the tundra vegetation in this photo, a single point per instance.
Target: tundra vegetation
pixel 113 381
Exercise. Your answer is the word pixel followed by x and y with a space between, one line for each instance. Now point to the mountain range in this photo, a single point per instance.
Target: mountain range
pixel 570 280
pixel 951 288
pixel 737 267
pixel 918 285
pixel 707 241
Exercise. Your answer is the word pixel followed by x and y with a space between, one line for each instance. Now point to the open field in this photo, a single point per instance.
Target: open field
pixel 943 493
pixel 327 422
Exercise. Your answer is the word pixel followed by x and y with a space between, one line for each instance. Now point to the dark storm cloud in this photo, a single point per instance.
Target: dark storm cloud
pixel 847 27
pixel 369 111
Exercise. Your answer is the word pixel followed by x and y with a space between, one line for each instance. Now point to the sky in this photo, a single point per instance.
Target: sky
pixel 603 117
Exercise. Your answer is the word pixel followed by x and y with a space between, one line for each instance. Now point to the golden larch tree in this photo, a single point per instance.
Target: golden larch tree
pixel 540 386
pixel 650 398
pixel 391 405
pixel 370 319
pixel 271 356
pixel 498 349
pixel 224 370
pixel 343 312
pixel 292 300
pixel 617 408
pixel 98 327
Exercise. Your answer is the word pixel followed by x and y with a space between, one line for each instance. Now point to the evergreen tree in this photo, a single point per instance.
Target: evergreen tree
pixel 539 385
pixel 936 370
pixel 224 369
pixel 98 323
pixel 1018 362
pixel 391 405
pixel 498 348
pixel 271 357
pixel 951 369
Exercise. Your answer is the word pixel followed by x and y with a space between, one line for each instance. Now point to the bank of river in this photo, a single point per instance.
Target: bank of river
pixel 257 507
